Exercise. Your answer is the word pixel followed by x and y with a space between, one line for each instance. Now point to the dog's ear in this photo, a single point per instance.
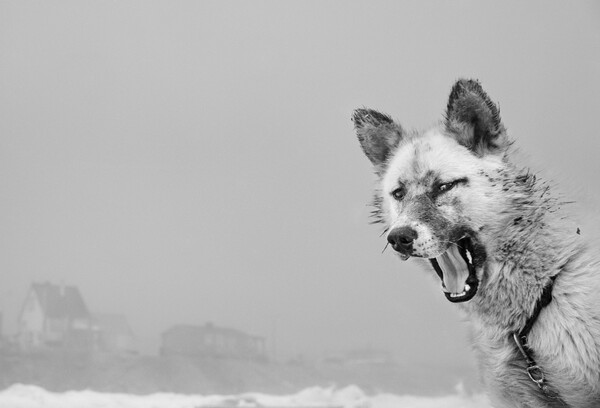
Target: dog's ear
pixel 378 135
pixel 474 120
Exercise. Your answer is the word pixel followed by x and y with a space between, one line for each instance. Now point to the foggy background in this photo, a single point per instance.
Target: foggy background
pixel 193 162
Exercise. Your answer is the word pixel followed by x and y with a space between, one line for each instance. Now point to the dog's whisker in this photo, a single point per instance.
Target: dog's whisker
pixel 458 246
pixel 452 243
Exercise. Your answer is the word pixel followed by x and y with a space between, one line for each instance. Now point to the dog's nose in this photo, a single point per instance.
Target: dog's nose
pixel 402 239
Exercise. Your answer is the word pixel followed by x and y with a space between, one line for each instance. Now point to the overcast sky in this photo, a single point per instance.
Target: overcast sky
pixel 185 162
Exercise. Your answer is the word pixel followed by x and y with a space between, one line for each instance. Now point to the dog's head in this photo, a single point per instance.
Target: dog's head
pixel 438 189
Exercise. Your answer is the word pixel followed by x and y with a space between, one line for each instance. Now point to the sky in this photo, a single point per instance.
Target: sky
pixel 192 162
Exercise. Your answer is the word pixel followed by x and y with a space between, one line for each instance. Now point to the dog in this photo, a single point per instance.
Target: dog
pixel 524 275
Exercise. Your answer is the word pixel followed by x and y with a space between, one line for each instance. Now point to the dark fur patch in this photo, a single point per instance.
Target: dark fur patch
pixel 428 179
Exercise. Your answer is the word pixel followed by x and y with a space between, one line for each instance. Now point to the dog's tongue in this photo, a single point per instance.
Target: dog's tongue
pixel 454 269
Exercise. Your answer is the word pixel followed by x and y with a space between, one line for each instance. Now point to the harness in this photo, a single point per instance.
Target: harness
pixel 534 371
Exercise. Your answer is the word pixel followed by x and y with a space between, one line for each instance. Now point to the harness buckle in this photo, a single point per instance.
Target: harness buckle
pixel 536 374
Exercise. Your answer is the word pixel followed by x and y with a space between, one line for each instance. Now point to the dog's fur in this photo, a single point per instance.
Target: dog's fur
pixel 457 180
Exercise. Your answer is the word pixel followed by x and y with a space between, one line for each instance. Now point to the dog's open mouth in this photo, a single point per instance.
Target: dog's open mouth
pixel 456 269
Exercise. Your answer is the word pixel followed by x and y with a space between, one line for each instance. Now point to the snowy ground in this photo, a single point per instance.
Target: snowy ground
pixel 28 396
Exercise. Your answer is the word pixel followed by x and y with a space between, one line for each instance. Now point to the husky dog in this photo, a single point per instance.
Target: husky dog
pixel 525 277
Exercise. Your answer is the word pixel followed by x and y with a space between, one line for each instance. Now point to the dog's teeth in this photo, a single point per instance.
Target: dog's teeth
pixel 469 256
pixel 467 288
pixel 455 295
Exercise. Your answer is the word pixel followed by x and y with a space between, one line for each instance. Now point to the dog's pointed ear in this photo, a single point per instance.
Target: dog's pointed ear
pixel 378 135
pixel 474 120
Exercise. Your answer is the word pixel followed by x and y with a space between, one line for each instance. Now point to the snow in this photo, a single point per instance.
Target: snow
pixel 29 396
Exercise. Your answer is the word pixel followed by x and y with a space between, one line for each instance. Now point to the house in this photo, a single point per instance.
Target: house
pixel 54 316
pixel 113 333
pixel 212 341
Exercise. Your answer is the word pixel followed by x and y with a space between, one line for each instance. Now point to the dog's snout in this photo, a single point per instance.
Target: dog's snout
pixel 402 239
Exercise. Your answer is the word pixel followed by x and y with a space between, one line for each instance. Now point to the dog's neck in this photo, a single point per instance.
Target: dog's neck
pixel 505 303
pixel 527 255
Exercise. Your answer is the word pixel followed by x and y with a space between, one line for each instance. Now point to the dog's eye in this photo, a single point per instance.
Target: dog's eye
pixel 399 193
pixel 442 188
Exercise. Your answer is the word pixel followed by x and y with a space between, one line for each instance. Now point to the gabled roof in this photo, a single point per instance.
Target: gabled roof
pixel 61 301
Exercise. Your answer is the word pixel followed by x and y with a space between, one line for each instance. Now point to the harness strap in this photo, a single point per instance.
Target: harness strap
pixel 542 302
pixel 535 373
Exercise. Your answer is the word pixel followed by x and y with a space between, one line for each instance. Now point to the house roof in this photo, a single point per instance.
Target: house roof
pixel 61 301
pixel 208 328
